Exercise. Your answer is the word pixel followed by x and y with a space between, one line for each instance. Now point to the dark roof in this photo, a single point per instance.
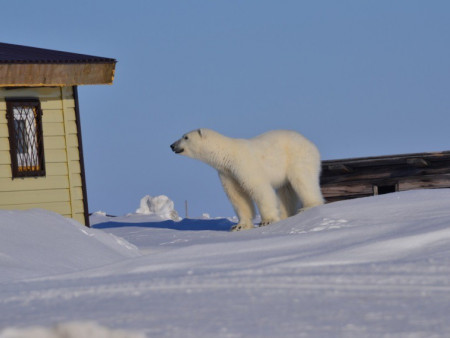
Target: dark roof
pixel 389 159
pixel 10 53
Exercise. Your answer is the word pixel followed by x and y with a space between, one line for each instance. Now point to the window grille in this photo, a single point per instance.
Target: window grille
pixel 25 138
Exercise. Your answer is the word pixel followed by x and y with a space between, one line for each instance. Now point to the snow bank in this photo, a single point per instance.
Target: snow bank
pixel 70 330
pixel 161 206
pixel 37 243
pixel 371 267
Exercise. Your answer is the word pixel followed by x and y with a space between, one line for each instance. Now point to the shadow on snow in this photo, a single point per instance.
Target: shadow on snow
pixel 186 224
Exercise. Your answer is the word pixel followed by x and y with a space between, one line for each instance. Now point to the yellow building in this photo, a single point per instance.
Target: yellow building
pixel 41 153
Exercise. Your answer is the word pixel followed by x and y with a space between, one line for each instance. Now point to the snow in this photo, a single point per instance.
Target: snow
pixel 160 205
pixel 371 267
pixel 70 330
pixel 41 243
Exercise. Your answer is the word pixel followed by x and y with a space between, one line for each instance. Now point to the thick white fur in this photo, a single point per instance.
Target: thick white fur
pixel 275 170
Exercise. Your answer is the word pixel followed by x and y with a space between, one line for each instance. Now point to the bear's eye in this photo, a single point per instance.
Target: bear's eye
pixel 186 138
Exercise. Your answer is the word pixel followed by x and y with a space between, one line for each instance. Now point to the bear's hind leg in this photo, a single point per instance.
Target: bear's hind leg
pixel 289 201
pixel 307 186
pixel 241 201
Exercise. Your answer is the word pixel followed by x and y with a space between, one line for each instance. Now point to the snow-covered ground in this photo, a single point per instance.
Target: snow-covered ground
pixel 371 267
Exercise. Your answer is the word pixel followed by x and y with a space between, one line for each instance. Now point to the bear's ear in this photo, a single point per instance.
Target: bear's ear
pixel 200 132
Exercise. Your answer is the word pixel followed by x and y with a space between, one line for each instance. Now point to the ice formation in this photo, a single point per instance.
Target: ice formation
pixel 161 206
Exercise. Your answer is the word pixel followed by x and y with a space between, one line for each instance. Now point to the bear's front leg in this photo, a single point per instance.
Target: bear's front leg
pixel 267 203
pixel 241 201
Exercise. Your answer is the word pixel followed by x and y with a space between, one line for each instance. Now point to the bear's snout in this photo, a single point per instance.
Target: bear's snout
pixel 176 147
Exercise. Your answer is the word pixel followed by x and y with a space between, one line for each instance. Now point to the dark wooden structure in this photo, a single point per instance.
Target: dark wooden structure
pixel 361 177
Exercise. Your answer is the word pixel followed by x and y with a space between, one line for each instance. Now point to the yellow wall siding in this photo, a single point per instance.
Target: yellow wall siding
pixel 4 143
pixel 79 217
pixel 36 196
pixel 4 156
pixel 45 94
pixel 73 154
pixel 5 170
pixel 34 183
pixel 53 129
pixel 61 189
pixel 3 126
pixel 62 208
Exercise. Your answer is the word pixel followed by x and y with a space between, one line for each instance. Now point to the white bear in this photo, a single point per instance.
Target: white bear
pixel 275 170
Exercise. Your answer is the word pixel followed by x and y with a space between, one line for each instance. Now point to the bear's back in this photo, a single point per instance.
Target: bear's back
pixel 288 142
pixel 283 136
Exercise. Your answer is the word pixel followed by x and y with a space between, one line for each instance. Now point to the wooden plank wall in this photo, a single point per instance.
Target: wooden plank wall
pixel 353 178
pixel 61 189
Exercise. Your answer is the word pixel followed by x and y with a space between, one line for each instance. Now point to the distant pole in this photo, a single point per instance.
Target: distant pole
pixel 186 208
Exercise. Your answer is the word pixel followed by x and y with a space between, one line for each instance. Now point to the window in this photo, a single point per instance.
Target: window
pixel 25 137
pixel 384 189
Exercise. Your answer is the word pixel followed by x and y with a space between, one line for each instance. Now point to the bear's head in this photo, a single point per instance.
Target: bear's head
pixel 190 144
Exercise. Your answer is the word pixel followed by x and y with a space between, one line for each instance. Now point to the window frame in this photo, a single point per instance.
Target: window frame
pixel 33 170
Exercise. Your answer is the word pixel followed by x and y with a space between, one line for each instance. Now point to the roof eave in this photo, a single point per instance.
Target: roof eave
pixel 56 74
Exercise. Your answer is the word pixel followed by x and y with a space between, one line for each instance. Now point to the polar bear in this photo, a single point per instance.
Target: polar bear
pixel 275 170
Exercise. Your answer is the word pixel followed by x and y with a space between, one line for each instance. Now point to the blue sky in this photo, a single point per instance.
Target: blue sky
pixel 359 78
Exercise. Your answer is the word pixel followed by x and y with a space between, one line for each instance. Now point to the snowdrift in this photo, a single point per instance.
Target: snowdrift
pixel 41 243
pixel 371 267
pixel 397 228
pixel 161 206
